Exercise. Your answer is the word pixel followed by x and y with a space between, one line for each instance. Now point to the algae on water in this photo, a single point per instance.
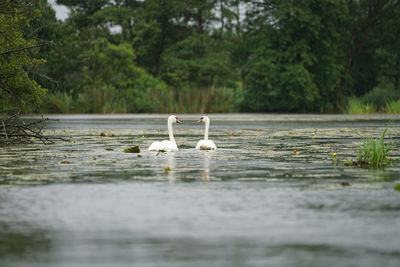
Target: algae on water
pixel 134 149
pixel 397 187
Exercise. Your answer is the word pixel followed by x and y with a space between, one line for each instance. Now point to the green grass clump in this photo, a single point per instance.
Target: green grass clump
pixel 374 152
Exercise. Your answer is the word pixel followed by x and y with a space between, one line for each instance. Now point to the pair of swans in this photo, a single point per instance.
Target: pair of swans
pixel 170 145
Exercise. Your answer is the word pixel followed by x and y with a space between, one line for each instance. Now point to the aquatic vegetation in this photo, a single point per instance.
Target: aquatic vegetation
pixel 374 152
pixel 167 169
pixel 103 134
pixel 65 162
pixel 397 187
pixel 335 160
pixel 134 149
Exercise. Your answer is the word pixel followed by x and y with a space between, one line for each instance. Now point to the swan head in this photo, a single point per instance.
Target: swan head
pixel 174 119
pixel 204 119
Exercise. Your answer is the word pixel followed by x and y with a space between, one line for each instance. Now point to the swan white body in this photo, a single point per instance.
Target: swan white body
pixel 205 144
pixel 167 145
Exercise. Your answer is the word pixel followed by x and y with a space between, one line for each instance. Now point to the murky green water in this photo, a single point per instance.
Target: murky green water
pixel 253 202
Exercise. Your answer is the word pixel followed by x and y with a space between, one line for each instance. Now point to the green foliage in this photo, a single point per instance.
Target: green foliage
pixel 17 89
pixel 191 56
pixel 397 187
pixel 293 63
pixel 265 83
pixel 374 152
pixel 111 81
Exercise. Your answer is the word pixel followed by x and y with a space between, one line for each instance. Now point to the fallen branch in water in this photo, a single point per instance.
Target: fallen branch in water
pixel 16 130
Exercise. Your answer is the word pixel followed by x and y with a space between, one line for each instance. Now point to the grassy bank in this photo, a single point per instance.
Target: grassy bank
pixel 379 100
pixel 357 106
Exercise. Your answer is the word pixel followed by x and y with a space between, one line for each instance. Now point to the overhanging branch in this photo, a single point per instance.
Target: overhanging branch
pixel 24 48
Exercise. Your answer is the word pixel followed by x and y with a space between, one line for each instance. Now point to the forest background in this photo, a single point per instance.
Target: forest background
pixel 197 56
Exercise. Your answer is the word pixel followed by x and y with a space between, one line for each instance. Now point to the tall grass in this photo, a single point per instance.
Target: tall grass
pixel 383 98
pixel 356 106
pixel 374 152
pixel 58 102
pixel 212 100
pixel 108 100
pixel 393 107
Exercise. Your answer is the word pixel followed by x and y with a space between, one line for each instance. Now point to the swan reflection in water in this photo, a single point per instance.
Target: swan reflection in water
pixel 170 169
pixel 206 165
pixel 172 166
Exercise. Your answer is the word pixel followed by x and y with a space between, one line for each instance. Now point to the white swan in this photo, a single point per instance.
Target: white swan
pixel 205 144
pixel 167 145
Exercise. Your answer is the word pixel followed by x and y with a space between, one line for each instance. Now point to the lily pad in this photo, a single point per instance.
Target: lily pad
pixel 134 149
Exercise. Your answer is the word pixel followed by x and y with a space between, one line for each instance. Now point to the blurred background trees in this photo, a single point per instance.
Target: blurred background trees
pixel 17 90
pixel 213 55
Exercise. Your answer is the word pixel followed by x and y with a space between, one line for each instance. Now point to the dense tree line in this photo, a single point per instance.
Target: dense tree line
pixel 17 89
pixel 212 55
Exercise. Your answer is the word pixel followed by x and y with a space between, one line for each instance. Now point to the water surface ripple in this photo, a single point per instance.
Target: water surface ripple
pixel 270 195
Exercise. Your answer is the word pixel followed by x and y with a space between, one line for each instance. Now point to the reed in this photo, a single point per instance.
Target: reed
pixel 109 100
pixel 374 152
pixel 356 106
pixel 393 107
pixel 58 102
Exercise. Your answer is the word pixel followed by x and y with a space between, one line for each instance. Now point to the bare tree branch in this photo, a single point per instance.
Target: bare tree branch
pixel 22 49
pixel 15 130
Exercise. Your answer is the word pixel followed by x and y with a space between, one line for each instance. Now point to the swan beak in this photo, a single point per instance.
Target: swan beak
pixel 178 120
pixel 200 120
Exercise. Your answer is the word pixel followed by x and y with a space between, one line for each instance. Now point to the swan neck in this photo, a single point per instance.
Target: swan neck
pixel 206 131
pixel 170 133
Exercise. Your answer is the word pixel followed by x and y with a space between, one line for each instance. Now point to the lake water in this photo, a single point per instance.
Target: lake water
pixel 271 195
